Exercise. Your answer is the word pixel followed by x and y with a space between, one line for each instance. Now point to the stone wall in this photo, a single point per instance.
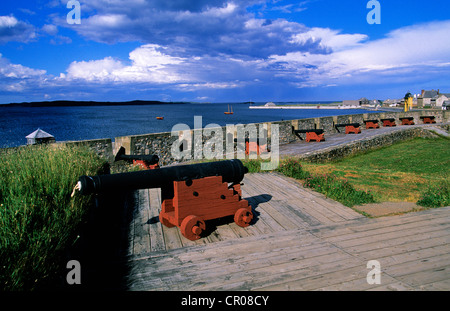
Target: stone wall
pixel 102 147
pixel 161 144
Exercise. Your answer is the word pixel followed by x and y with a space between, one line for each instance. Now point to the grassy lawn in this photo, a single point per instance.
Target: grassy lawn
pixel 39 220
pixel 397 173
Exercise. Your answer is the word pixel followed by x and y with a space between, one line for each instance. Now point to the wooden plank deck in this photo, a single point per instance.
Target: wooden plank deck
pixel 300 240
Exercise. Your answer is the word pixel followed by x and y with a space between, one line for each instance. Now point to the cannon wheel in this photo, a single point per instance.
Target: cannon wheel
pixel 192 227
pixel 243 217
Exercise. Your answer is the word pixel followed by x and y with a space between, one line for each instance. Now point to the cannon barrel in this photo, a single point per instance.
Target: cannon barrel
pixel 232 171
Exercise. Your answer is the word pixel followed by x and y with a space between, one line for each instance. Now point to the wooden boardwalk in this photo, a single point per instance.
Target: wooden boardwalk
pixel 299 240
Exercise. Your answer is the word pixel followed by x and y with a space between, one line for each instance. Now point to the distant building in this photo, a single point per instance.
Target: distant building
pixel 441 99
pixel 363 101
pixel 39 137
pixel 392 102
pixel 270 104
pixel 351 103
pixel 432 98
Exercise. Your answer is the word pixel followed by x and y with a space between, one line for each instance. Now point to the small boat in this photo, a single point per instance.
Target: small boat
pixel 159 118
pixel 230 111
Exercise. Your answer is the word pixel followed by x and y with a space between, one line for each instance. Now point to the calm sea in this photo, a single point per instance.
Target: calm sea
pixel 81 123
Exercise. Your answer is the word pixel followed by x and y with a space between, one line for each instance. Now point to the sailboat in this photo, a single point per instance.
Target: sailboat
pixel 230 111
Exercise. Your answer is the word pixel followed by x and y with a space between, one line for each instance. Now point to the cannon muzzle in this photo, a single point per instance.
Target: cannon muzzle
pixel 232 171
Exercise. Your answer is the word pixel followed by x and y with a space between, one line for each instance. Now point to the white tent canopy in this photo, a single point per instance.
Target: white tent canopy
pixel 39 136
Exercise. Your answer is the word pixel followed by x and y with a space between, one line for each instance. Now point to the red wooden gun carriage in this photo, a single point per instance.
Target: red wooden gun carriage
pixel 190 194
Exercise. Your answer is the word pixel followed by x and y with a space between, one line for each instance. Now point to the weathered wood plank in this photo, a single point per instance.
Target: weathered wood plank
pixel 356 228
pixel 334 211
pixel 299 202
pixel 156 231
pixel 390 232
pixel 274 209
pixel 403 251
pixel 141 234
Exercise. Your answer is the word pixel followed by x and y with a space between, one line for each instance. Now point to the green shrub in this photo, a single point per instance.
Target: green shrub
pixel 292 168
pixel 254 166
pixel 38 217
pixel 436 195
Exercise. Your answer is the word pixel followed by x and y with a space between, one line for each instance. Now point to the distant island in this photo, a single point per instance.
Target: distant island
pixel 67 103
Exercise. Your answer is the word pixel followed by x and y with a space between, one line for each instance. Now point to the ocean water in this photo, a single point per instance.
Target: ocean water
pixel 82 123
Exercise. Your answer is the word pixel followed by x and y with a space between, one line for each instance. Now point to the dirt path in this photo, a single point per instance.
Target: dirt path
pixel 389 208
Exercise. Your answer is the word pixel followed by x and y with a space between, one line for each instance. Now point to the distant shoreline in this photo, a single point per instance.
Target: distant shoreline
pixel 308 107
pixel 71 103
pixel 252 105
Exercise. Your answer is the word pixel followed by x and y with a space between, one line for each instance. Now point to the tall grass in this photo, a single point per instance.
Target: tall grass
pixel 39 219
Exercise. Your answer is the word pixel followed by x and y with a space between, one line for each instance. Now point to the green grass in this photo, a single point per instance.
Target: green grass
pixel 328 184
pixel 415 170
pixel 401 172
pixel 39 219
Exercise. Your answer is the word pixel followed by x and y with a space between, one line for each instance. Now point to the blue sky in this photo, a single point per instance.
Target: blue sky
pixel 222 50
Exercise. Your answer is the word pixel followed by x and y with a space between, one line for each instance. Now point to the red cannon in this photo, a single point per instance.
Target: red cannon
pixel 258 146
pixel 148 162
pixel 428 119
pixel 371 124
pixel 190 194
pixel 311 134
pixel 407 120
pixel 350 128
pixel 389 122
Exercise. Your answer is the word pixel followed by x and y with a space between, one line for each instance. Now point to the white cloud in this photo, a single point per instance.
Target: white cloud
pixel 8 21
pixel 94 70
pixel 405 51
pixel 329 38
pixel 50 29
pixel 16 71
pixel 148 64
pixel 18 78
pixel 217 45
pixel 108 21
pixel 11 29
pixel 197 27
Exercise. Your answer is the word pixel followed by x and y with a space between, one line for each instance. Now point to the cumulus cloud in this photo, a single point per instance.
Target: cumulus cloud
pixel 18 78
pixel 196 27
pixel 148 64
pixel 217 45
pixel 11 29
pixel 405 51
